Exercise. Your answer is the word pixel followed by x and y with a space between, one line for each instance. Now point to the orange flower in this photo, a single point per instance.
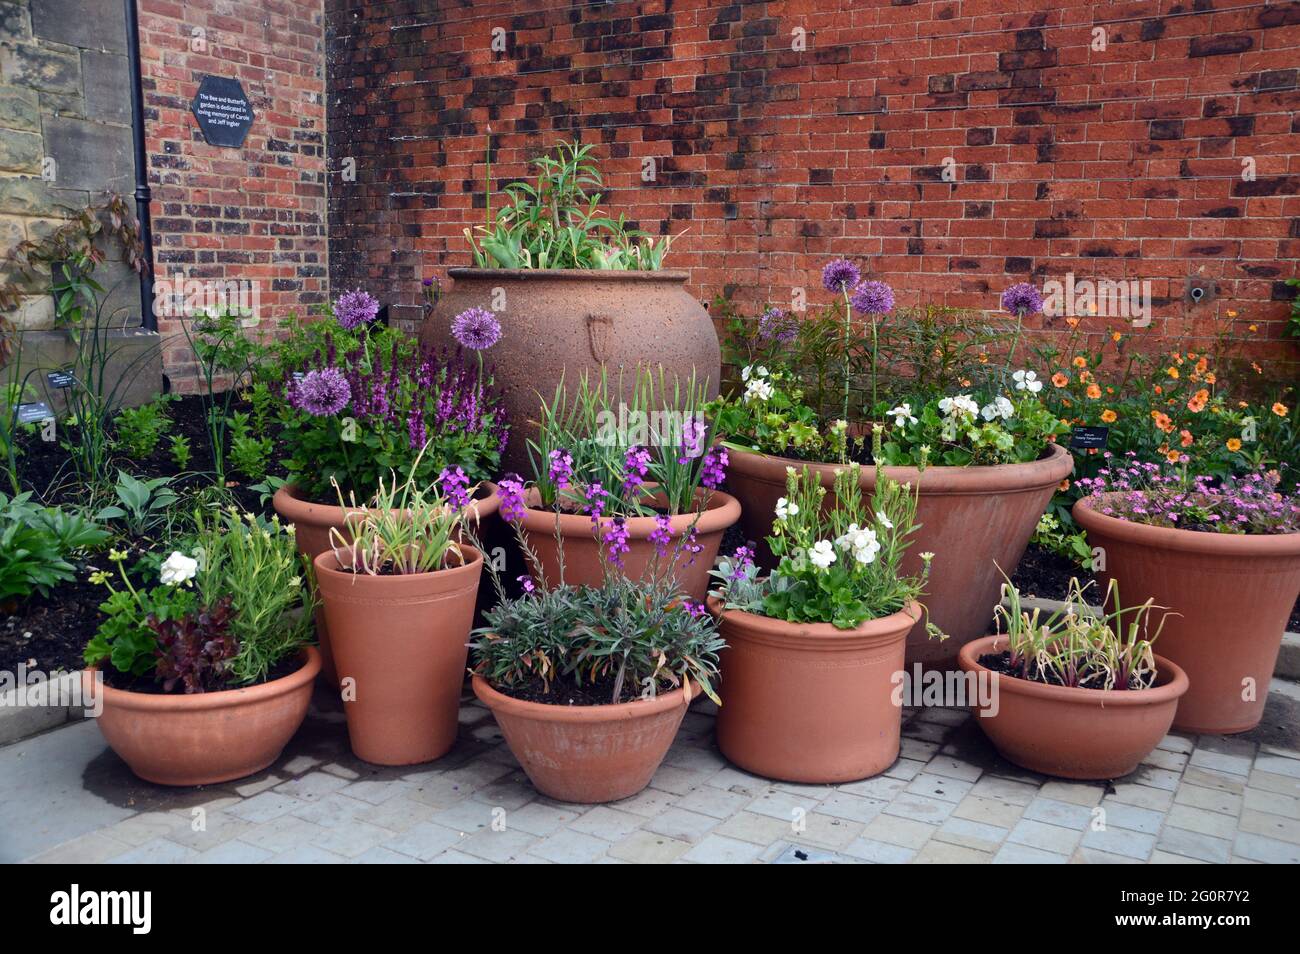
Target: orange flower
pixel 1280 409
pixel 1085 377
pixel 1202 365
pixel 1211 378
pixel 1159 389
pixel 1197 403
pixel 984 359
pixel 1094 392
pixel 1060 380
pixel 1231 313
pixel 1254 327
pixel 1234 444
pixel 1185 437
pixel 1080 361
pixel 1065 484
pixel 1108 416
pixel 1258 369
pixel 1115 336
pixel 965 382
pixel 1173 457
pixel 1072 322
pixel 1163 421
pixel 1172 372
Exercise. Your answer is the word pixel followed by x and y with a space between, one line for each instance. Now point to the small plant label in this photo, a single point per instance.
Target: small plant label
pixel 1089 437
pixel 60 379
pixel 34 413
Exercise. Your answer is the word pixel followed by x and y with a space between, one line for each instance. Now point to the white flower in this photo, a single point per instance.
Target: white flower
pixel 861 541
pixel 822 554
pixel 866 555
pixel 785 508
pixel 902 415
pixel 758 388
pixel 1027 381
pixel 883 520
pixel 963 405
pixel 998 407
pixel 753 370
pixel 178 568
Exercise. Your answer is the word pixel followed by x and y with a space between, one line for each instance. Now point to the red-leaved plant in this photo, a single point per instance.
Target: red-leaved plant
pixel 195 650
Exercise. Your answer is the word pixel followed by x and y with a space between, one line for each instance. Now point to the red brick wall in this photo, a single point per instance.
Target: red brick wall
pixel 1122 163
pixel 255 213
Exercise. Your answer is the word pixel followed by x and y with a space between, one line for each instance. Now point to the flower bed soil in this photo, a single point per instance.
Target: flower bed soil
pixel 595 694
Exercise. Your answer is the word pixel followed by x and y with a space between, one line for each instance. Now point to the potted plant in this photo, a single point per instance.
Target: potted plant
pixel 1076 694
pixel 589 684
pixel 814 646
pixel 990 440
pixel 399 588
pixel 575 289
pixel 206 676
pixel 1223 555
pixel 641 475
pixel 361 400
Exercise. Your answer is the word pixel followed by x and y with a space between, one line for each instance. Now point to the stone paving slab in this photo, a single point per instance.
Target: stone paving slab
pixel 949 799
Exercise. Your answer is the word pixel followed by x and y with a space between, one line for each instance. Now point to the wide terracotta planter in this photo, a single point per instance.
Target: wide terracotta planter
pixel 1233 593
pixel 588 754
pixel 806 702
pixel 584 565
pixel 400 643
pixel 556 324
pixel 974 520
pixel 1068 732
pixel 206 737
pixel 312 523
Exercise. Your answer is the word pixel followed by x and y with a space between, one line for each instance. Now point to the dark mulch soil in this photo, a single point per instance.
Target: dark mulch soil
pixel 146 684
pixel 49 633
pixel 596 694
pixel 1001 663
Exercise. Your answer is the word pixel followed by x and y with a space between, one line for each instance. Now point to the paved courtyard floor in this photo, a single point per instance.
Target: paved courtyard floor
pixel 64 797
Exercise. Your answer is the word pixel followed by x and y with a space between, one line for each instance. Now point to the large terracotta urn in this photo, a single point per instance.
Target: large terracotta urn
pixel 556 324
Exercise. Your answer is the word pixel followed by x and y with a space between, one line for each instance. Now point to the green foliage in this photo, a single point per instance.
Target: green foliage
pixel 142 505
pixel 180 450
pixel 223 350
pixel 250 455
pixel 36 543
pixel 139 429
pixel 1293 322
pixel 1051 535
pixel 555 221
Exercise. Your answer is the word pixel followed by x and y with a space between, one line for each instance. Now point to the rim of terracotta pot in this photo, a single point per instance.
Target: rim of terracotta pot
pixel 294 507
pixel 613 712
pixel 722 511
pixel 220 699
pixel 819 636
pixel 1048 470
pixel 573 274
pixel 400 585
pixel 1188 541
pixel 1172 681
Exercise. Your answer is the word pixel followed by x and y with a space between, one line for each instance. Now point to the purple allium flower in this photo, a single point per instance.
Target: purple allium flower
pixel 476 329
pixel 841 276
pixel 636 463
pixel 321 393
pixel 454 487
pixel 511 489
pixel 427 283
pixel 526 582
pixel 714 468
pixel 662 534
pixel 616 534
pixel 874 298
pixel 776 326
pixel 356 308
pixel 561 468
pixel 1022 299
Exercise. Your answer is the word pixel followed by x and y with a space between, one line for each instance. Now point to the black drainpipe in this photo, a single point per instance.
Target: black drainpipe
pixel 148 321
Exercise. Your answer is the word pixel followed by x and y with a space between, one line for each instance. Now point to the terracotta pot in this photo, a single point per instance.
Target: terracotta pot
pixel 556 324
pixel 806 702
pixel 588 754
pixel 400 644
pixel 1234 594
pixel 582 557
pixel 973 519
pixel 206 737
pixel 1072 733
pixel 312 523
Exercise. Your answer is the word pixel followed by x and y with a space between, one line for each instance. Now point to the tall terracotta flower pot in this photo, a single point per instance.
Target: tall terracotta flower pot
pixel 588 754
pixel 206 737
pixel 556 324
pixel 1233 593
pixel 1068 732
pixel 973 519
pixel 583 564
pixel 400 643
pixel 312 523
pixel 806 702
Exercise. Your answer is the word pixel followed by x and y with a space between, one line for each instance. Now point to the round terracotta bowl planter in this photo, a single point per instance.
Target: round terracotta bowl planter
pixel 588 754
pixel 206 737
pixel 312 523
pixel 558 323
pixel 400 643
pixel 1233 593
pixel 584 565
pixel 973 519
pixel 806 702
pixel 1068 732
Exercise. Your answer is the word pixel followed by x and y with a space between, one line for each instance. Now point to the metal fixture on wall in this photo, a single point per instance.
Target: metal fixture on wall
pixel 148 320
